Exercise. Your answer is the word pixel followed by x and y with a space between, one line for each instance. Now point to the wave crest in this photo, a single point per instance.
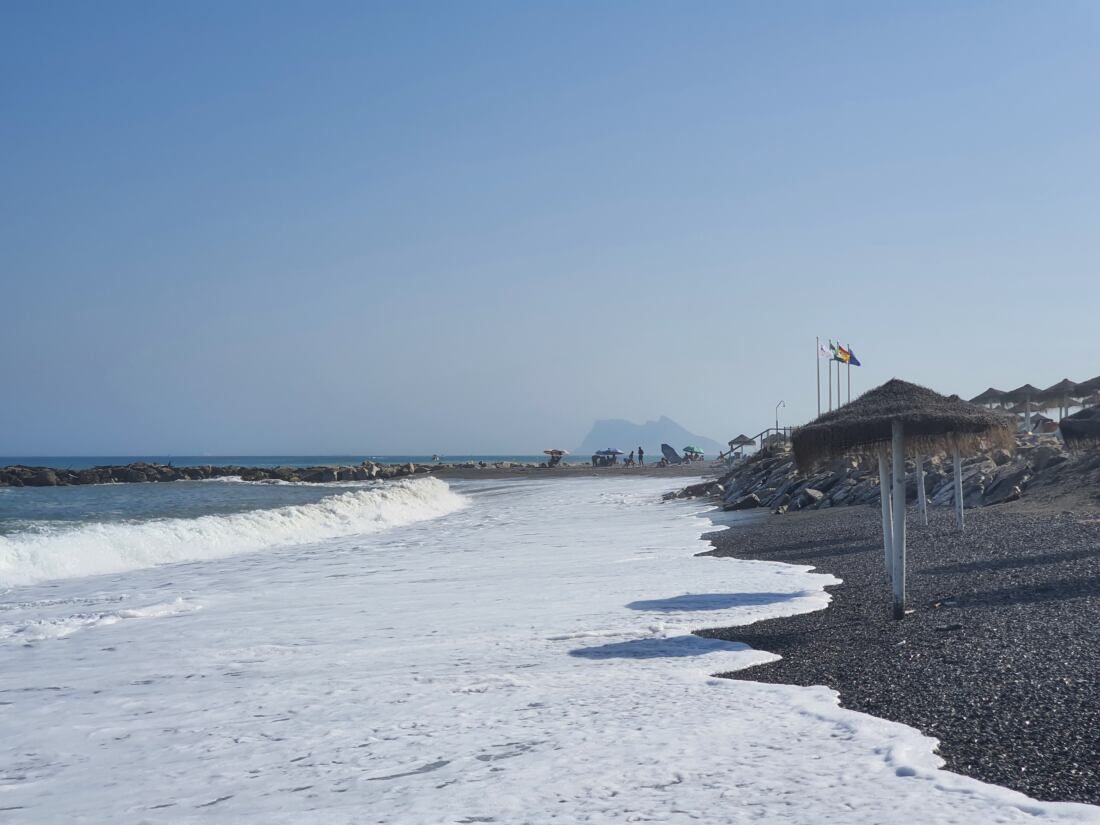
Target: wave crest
pixel 92 549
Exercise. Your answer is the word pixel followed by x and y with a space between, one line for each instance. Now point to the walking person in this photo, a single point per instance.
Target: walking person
pixel 641 456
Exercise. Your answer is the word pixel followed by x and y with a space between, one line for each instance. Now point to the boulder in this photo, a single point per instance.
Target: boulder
pixel 41 478
pixel 1003 496
pixel 809 497
pixel 1046 456
pixel 744 503
pixel 694 490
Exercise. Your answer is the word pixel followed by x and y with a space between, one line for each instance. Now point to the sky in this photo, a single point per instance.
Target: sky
pixel 277 228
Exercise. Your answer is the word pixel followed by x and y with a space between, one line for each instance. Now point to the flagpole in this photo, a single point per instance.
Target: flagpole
pixel 849 377
pixel 817 364
pixel 829 366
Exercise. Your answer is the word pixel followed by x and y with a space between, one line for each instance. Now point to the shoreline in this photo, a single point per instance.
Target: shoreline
pixel 19 475
pixel 999 658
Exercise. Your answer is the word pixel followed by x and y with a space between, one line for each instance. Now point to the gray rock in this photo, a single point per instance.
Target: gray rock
pixel 41 478
pixel 744 503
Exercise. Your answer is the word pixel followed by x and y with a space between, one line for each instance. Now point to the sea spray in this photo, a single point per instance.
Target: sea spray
pixel 96 548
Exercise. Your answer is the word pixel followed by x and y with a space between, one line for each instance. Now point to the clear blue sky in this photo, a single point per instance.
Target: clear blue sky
pixel 414 227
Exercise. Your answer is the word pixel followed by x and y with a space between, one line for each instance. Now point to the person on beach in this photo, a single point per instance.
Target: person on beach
pixel 641 456
pixel 631 459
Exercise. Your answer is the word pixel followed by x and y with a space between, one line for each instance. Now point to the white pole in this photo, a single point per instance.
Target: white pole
pixel 884 494
pixel 817 361
pixel 830 368
pixel 899 519
pixel 922 496
pixel 959 490
pixel 849 382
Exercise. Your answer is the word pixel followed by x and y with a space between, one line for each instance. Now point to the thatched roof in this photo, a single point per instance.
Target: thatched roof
pixel 743 441
pixel 1057 392
pixel 1081 429
pixel 1023 393
pixel 1086 388
pixel 932 423
pixel 988 396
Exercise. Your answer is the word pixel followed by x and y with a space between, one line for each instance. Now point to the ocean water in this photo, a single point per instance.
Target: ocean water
pixel 515 651
pixel 77 462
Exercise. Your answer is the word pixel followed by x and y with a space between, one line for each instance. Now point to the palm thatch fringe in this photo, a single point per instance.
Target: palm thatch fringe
pixel 1082 429
pixel 932 423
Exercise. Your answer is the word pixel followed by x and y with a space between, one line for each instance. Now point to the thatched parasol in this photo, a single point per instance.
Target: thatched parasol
pixel 933 423
pixel 912 420
pixel 743 441
pixel 1027 394
pixel 1082 429
pixel 1058 395
pixel 1056 392
pixel 990 396
pixel 1087 388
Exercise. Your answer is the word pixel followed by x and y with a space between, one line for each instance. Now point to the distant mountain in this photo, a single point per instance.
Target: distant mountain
pixel 626 436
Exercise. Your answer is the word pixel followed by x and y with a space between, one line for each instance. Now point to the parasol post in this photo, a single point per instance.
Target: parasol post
pixel 884 494
pixel 922 496
pixel 958 490
pixel 817 365
pixel 898 438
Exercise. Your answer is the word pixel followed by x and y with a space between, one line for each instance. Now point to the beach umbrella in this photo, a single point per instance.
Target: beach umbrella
pixel 695 450
pixel 609 451
pixel 556 452
pixel 1026 393
pixel 1088 388
pixel 1059 394
pixel 913 420
pixel 990 396
pixel 741 442
pixel 1082 429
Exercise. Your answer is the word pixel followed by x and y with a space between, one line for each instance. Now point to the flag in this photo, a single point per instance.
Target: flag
pixel 841 354
pixel 852 358
pixel 824 353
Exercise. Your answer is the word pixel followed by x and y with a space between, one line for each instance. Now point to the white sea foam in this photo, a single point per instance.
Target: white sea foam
pixel 65 624
pixel 112 547
pixel 500 665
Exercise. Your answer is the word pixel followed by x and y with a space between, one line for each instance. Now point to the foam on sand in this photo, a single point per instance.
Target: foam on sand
pixel 90 549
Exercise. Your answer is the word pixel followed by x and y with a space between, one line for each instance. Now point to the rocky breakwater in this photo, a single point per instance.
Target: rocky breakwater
pixel 22 476
pixel 770 479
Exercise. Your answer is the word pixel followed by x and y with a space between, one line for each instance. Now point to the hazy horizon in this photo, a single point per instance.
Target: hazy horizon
pixel 273 229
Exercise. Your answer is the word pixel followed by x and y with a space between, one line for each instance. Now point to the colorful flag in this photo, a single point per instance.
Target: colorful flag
pixel 841 354
pixel 852 358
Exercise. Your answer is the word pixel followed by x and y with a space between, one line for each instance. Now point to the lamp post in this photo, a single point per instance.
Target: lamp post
pixel 777 406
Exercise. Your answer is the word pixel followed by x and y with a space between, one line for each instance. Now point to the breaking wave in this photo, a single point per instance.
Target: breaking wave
pixel 91 549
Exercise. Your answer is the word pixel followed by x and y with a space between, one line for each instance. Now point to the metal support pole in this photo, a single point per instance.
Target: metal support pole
pixel 899 519
pixel 959 490
pixel 887 527
pixel 817 361
pixel 922 496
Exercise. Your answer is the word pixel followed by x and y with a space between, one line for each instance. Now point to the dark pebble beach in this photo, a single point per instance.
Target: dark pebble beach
pixel 999 659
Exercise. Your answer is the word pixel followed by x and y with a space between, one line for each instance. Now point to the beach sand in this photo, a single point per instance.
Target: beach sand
pixel 999 659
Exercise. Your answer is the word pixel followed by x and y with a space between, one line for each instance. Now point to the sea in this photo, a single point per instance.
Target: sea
pixel 419 652
pixel 78 462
